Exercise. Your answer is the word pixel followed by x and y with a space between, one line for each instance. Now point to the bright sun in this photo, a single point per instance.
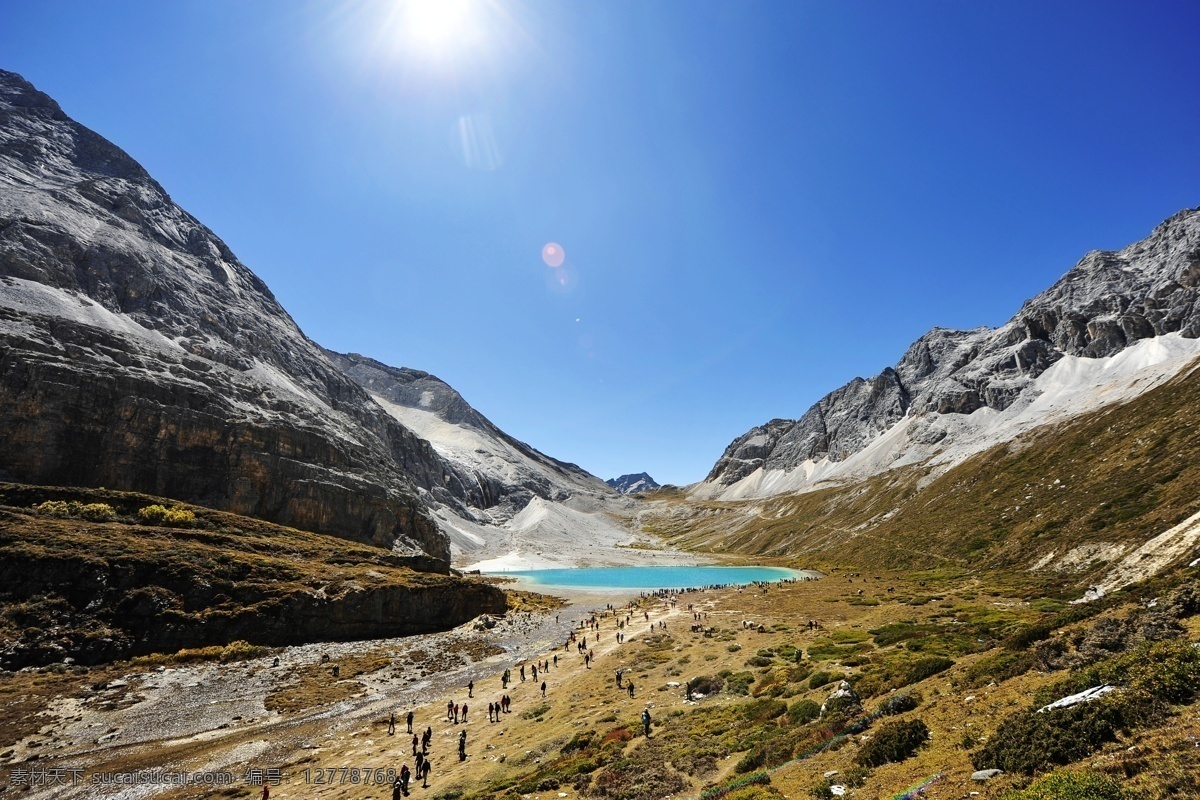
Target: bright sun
pixel 438 25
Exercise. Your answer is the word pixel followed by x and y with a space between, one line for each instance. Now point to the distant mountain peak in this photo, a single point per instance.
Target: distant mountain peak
pixel 632 484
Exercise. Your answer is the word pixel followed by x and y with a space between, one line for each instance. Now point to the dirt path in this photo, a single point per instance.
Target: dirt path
pixel 222 718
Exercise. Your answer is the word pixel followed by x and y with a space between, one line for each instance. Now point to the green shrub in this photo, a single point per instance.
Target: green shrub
pixel 763 709
pixel 1084 785
pixel 93 512
pixel 739 682
pixel 926 668
pixel 803 711
pixel 821 678
pixel 893 742
pixel 759 661
pixel 717 792
pixel 707 684
pixel 168 517
pixel 97 512
pixel 900 703
pixel 56 508
pixel 1028 741
pixel 580 741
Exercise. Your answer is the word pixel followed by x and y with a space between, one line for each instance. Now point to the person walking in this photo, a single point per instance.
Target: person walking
pixel 410 721
pixel 471 688
pixel 414 744
pixel 397 789
pixel 646 720
pixel 462 746
pixel 630 685
pixel 392 724
pixel 464 710
pixel 543 688
pixel 405 774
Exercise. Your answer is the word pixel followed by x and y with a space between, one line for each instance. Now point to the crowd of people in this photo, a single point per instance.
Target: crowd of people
pixel 619 618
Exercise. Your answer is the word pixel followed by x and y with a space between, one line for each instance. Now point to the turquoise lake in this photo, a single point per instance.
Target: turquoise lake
pixel 655 577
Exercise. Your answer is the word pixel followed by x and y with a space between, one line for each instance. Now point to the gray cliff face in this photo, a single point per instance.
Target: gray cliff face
pixel 137 352
pixel 1107 302
pixel 494 473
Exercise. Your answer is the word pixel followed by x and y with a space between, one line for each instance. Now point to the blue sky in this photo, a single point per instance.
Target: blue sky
pixel 757 200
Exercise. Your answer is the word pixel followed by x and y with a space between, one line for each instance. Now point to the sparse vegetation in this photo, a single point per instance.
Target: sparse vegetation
pixel 169 517
pixel 894 741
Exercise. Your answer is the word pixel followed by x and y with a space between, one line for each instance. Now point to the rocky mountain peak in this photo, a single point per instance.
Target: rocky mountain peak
pixel 137 352
pixel 632 484
pixel 1107 302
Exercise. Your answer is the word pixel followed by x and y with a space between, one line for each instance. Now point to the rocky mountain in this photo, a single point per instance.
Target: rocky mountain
pixel 632 484
pixel 518 499
pixel 138 353
pixel 1115 318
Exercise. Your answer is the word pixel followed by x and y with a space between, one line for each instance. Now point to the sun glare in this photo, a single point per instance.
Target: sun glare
pixel 438 25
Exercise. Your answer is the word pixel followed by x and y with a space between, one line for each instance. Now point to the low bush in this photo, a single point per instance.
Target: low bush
pixel 926 668
pixel 637 779
pixel 822 678
pixel 168 517
pixel 708 684
pixel 893 742
pixel 803 711
pixel 718 792
pixel 98 512
pixel 55 508
pixel 1084 785
pixel 1028 741
pixel 763 709
pixel 900 703
pixel 739 682
pixel 93 512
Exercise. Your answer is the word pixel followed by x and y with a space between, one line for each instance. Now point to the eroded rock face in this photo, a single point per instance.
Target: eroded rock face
pixel 137 352
pixel 107 610
pixel 1107 302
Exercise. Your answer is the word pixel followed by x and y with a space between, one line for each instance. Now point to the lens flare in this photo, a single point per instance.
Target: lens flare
pixel 553 255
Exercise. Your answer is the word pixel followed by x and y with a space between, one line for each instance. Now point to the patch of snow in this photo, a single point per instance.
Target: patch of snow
pixel 1075 699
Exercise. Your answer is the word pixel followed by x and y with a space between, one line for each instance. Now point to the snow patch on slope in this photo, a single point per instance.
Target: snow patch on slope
pixel 1070 387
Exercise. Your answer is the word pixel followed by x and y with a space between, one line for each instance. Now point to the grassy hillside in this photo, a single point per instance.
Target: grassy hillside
pixel 88 574
pixel 1104 481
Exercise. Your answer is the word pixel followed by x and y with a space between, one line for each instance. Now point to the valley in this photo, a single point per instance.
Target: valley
pixel 229 551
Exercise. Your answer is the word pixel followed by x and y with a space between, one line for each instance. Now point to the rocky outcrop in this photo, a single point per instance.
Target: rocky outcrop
pixel 103 588
pixel 137 352
pixel 498 475
pixel 1107 302
pixel 98 610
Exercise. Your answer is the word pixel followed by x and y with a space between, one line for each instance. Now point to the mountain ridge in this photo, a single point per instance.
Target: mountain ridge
pixel 633 483
pixel 1107 302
